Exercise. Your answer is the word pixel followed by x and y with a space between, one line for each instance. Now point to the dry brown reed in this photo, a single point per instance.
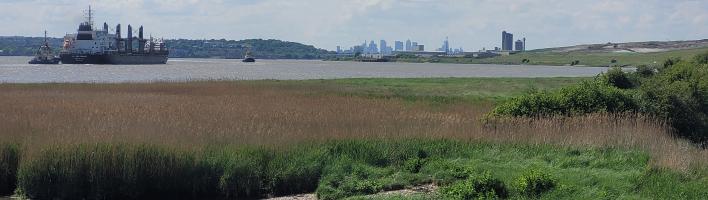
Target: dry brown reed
pixel 198 114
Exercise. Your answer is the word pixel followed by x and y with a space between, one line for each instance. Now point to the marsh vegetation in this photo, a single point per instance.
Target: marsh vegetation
pixel 337 138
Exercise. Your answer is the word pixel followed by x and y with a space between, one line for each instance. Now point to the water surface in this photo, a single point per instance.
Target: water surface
pixel 16 70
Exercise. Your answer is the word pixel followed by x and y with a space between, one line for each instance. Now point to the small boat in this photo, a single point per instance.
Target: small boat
pixel 45 55
pixel 248 57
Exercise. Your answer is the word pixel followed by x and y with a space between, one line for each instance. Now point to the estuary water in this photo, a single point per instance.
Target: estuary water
pixel 16 70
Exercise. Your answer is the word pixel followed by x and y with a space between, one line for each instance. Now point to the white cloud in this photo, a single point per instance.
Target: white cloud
pixel 327 23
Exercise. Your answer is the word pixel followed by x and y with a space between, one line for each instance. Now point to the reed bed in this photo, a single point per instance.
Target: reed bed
pixel 182 118
pixel 191 115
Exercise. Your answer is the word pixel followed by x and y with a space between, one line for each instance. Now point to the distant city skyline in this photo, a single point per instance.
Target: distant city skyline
pixel 326 24
pixel 399 46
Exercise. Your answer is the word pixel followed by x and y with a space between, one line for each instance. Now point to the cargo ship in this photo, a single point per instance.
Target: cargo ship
pixel 92 46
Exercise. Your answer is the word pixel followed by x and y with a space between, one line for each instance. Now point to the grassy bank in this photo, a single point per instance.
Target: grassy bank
pixel 271 138
pixel 559 58
pixel 434 90
pixel 348 168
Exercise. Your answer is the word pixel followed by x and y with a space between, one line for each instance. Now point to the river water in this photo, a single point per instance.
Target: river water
pixel 16 70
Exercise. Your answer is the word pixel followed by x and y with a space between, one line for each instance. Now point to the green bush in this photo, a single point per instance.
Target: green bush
pixel 678 93
pixel 618 78
pixel 645 71
pixel 587 97
pixel 670 62
pixel 9 160
pixel 535 182
pixel 415 164
pixel 701 58
pixel 347 178
pixel 476 187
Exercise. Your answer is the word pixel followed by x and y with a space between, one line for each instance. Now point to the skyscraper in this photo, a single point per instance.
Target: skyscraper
pixel 519 45
pixel 372 47
pixel 507 41
pixel 339 49
pixel 419 47
pixel 409 45
pixel 414 46
pixel 365 47
pixel 383 48
pixel 399 46
pixel 446 46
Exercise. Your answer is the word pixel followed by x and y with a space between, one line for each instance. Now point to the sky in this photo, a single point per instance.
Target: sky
pixel 471 24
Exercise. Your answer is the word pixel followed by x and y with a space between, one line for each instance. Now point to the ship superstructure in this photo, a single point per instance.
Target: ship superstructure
pixel 92 46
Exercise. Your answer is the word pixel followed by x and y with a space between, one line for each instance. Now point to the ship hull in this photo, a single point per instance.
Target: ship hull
pixel 82 59
pixel 52 61
pixel 114 59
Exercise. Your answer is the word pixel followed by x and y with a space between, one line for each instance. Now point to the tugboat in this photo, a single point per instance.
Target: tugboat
pixel 45 55
pixel 248 57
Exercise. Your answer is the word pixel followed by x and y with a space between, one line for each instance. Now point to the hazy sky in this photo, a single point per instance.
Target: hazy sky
pixel 471 24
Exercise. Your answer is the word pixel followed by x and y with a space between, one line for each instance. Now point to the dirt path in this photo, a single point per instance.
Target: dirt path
pixel 423 189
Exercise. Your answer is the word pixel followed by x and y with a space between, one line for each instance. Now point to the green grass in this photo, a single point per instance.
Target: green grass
pixel 586 59
pixel 9 159
pixel 437 90
pixel 341 169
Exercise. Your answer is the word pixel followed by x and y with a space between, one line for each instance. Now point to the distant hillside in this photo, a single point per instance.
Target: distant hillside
pixel 600 55
pixel 183 48
pixel 269 49
pixel 25 46
pixel 637 47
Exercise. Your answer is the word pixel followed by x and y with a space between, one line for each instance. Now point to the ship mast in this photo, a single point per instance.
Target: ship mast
pixel 90 17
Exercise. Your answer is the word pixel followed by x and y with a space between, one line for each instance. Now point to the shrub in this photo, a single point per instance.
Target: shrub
pixel 347 178
pixel 587 97
pixel 645 71
pixel 618 78
pixel 671 61
pixel 680 94
pixel 677 93
pixel 476 187
pixel 9 160
pixel 701 58
pixel 415 164
pixel 535 182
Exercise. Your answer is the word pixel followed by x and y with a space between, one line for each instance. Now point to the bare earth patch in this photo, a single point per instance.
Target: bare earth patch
pixel 422 189
pixel 297 197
